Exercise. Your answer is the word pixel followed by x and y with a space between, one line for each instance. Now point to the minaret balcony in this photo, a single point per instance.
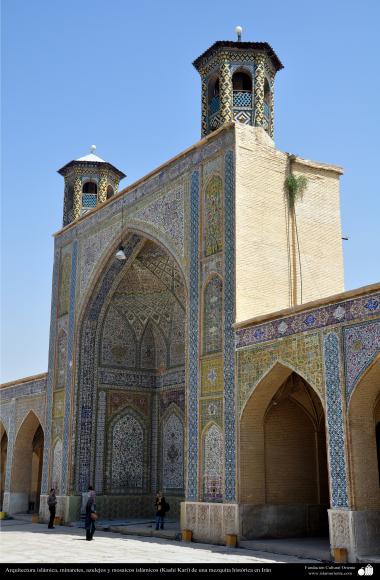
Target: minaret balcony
pixel 242 99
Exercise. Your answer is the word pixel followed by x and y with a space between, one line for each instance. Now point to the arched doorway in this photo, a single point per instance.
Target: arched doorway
pixel 133 331
pixel 27 466
pixel 364 420
pixel 4 449
pixel 283 461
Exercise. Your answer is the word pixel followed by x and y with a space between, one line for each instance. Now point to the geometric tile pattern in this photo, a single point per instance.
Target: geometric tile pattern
pixel 213 316
pixel 213 218
pixel 173 453
pixel 127 454
pixel 332 314
pixel 338 479
pixel 64 292
pixel 361 343
pixel 225 93
pixel 229 333
pixel 70 342
pixel 211 410
pixel 212 375
pixel 244 117
pixel 192 414
pixel 167 214
pixel 213 465
pixel 259 90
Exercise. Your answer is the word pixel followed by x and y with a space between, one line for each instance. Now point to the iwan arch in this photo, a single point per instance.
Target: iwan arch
pixel 211 361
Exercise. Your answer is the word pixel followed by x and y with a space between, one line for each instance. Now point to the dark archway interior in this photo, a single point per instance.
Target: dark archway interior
pixel 4 449
pixel 290 497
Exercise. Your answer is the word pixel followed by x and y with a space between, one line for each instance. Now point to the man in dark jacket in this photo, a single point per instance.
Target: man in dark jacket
pixel 52 502
pixel 160 505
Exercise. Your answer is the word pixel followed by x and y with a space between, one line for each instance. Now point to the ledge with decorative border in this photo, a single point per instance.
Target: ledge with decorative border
pixel 360 304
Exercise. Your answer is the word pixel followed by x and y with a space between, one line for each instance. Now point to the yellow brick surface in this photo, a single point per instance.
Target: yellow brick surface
pixel 263 265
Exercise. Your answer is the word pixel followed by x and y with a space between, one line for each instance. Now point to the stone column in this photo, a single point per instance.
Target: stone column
pixel 77 201
pixel 116 188
pixel 204 106
pixel 225 93
pixel 102 190
pixel 259 90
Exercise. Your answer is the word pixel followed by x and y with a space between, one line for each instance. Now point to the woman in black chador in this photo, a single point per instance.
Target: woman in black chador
pixel 90 514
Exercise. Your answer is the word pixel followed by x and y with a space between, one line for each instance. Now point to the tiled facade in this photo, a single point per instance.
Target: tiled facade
pixel 152 372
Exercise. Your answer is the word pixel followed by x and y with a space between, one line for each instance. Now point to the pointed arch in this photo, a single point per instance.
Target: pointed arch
pixel 27 464
pixel 281 371
pixel 363 420
pixel 282 455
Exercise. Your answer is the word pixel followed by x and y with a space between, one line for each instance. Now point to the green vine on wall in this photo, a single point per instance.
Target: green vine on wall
pixel 295 188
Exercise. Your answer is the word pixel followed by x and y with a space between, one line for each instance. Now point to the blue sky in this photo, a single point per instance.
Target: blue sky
pixel 118 74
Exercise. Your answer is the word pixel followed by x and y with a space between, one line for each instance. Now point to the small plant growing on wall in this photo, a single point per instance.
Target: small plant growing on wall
pixel 295 187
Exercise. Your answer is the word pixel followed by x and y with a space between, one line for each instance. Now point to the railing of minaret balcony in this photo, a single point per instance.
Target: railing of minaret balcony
pixel 243 106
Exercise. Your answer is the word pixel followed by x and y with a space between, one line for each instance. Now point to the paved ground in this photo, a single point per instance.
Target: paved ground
pixel 23 543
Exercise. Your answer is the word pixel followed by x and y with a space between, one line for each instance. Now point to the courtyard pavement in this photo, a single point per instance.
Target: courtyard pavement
pixel 22 542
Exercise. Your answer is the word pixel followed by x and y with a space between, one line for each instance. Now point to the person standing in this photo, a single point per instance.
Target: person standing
pixel 90 514
pixel 160 505
pixel 52 502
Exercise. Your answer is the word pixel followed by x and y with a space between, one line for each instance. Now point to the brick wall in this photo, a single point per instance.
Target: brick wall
pixel 262 261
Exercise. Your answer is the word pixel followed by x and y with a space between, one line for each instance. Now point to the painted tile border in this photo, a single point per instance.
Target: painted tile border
pixel 229 332
pixel 192 469
pixel 335 421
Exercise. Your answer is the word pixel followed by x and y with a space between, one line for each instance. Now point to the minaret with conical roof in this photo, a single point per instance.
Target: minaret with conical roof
pixel 238 84
pixel 89 181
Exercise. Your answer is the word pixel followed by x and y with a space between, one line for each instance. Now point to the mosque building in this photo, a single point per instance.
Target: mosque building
pixel 201 342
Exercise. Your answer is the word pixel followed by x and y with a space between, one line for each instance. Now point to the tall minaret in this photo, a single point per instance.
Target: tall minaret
pixel 238 84
pixel 89 181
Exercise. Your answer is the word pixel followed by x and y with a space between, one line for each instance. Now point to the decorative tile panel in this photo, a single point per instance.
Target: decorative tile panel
pixel 173 453
pixel 68 397
pixel 57 466
pixel 213 217
pixel 229 334
pixel 359 308
pixel 212 375
pixel 213 316
pixel 167 214
pixel 213 464
pixel 335 422
pixel 64 290
pixel 192 469
pixel 212 410
pixel 361 343
pixel 127 454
